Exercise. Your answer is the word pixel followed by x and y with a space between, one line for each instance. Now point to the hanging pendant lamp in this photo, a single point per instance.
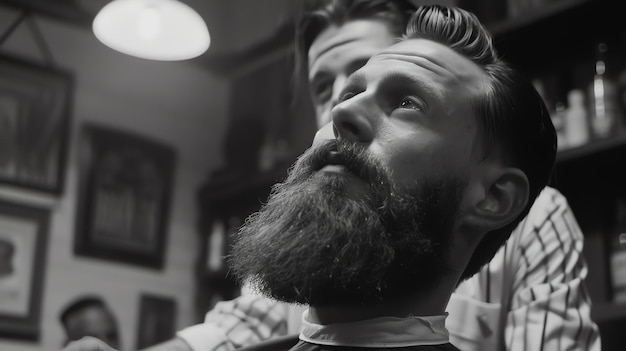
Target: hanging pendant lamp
pixel 165 30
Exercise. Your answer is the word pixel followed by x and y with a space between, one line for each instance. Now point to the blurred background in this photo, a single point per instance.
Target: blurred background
pixel 124 177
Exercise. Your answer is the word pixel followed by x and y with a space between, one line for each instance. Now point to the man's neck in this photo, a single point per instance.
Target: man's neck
pixel 431 304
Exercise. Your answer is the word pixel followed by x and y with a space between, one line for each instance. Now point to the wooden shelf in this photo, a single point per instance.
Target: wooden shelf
pixel 592 148
pixel 535 16
pixel 557 41
pixel 560 32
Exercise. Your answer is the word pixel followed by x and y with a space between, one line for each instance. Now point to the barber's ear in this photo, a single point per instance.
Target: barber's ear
pixel 503 197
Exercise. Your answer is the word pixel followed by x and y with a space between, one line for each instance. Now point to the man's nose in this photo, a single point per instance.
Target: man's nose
pixel 352 119
pixel 338 84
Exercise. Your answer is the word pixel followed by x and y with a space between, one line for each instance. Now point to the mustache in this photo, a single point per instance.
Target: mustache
pixel 352 156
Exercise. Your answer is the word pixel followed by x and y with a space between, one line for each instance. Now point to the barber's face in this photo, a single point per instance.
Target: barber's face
pixel 94 321
pixel 336 53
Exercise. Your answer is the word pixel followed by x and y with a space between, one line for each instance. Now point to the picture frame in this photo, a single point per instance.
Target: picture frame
pixel 35 123
pixel 125 184
pixel 23 242
pixel 156 321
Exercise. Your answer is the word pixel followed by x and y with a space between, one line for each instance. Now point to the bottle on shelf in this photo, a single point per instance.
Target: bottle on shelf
pixel 559 116
pixel 621 91
pixel 621 95
pixel 576 129
pixel 603 98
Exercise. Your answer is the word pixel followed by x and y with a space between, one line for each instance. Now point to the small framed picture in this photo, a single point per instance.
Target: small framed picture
pixel 23 238
pixel 157 320
pixel 34 125
pixel 125 184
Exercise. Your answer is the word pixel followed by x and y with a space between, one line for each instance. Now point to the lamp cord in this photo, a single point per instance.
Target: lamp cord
pixel 7 33
pixel 40 41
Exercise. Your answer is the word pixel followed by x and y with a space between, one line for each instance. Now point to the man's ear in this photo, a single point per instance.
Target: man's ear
pixel 503 196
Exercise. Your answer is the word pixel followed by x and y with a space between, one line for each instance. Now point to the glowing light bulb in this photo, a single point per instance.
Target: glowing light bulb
pixel 149 23
pixel 166 30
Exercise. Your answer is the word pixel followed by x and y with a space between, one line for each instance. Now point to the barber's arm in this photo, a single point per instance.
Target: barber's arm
pixel 232 324
pixel 531 296
pixel 89 343
pixel 550 307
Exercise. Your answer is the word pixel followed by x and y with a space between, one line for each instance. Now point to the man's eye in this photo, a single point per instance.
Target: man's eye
pixel 410 104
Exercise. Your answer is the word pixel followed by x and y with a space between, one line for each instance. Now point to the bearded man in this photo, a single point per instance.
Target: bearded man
pixel 436 151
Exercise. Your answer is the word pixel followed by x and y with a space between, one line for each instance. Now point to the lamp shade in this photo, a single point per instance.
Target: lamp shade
pixel 165 30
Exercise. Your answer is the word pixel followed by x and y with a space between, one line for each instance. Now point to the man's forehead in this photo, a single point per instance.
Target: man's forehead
pixel 432 56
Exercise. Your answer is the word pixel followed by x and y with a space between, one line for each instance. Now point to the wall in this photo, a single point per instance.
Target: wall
pixel 178 103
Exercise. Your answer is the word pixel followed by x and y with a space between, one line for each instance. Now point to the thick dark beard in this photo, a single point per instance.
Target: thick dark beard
pixel 315 243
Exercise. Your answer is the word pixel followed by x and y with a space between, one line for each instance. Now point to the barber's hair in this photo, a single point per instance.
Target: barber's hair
pixel 514 122
pixel 81 304
pixel 318 15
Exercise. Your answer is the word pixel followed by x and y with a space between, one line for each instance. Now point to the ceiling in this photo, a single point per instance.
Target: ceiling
pixel 240 29
pixel 249 39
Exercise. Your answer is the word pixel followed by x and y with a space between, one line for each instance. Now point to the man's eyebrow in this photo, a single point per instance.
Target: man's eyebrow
pixel 392 81
pixel 395 79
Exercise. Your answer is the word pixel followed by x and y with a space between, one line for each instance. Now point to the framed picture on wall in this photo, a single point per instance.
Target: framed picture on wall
pixel 23 241
pixel 125 184
pixel 34 124
pixel 157 320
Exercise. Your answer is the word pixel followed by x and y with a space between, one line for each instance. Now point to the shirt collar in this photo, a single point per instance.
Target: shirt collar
pixel 377 332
